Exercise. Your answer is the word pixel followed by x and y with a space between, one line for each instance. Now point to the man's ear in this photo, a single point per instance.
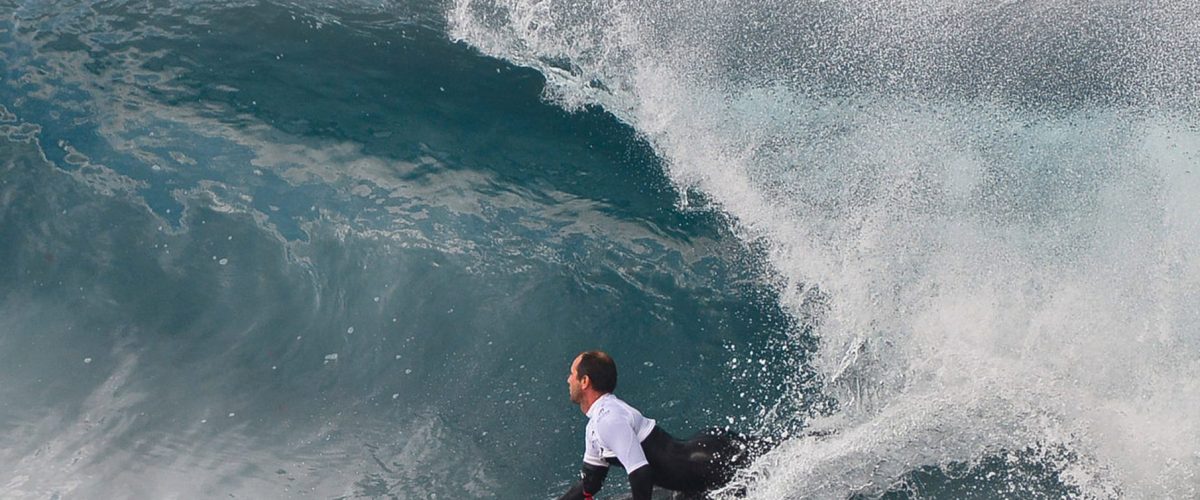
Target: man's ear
pixel 585 382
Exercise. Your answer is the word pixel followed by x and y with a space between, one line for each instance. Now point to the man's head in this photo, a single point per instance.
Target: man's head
pixel 592 371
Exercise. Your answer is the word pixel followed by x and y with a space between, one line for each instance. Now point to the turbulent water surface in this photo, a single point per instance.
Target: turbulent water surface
pixel 348 249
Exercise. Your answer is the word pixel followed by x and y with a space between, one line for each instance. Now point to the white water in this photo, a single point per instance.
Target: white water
pixel 992 212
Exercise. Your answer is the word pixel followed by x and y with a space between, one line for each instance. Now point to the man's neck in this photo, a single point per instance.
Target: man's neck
pixel 588 400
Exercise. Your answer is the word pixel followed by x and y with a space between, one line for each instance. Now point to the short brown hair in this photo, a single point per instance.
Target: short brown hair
pixel 600 368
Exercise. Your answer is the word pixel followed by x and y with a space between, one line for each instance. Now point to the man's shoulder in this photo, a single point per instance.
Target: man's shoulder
pixel 619 404
pixel 612 408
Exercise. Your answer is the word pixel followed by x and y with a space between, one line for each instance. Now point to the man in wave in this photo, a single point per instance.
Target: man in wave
pixel 618 434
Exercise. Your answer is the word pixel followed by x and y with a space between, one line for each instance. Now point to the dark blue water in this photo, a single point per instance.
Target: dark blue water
pixel 281 250
pixel 266 251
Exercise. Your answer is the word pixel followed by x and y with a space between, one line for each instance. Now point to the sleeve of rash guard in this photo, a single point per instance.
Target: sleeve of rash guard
pixel 619 437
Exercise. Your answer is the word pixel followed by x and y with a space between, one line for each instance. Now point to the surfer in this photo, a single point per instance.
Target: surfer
pixel 618 434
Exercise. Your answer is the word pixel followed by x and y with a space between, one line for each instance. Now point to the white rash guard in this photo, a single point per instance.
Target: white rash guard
pixel 615 430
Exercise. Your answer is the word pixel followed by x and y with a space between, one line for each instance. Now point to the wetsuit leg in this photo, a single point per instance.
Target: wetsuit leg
pixel 704 462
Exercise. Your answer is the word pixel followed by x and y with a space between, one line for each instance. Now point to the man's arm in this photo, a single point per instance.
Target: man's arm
pixel 591 478
pixel 641 482
pixel 619 437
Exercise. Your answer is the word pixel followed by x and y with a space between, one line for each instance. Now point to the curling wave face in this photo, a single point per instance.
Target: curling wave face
pixel 986 213
pixel 272 250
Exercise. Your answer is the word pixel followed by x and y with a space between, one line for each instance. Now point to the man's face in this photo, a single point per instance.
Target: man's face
pixel 573 382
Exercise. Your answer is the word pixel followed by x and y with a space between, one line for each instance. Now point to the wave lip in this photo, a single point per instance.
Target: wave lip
pixel 983 210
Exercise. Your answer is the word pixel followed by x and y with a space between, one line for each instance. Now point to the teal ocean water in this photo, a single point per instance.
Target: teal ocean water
pixel 348 249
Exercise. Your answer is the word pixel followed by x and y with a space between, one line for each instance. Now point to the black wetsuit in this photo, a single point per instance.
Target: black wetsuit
pixel 692 467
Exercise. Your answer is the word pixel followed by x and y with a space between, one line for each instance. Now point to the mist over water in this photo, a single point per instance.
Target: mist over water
pixel 986 212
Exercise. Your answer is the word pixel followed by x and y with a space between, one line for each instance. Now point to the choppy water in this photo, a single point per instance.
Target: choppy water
pixel 280 249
